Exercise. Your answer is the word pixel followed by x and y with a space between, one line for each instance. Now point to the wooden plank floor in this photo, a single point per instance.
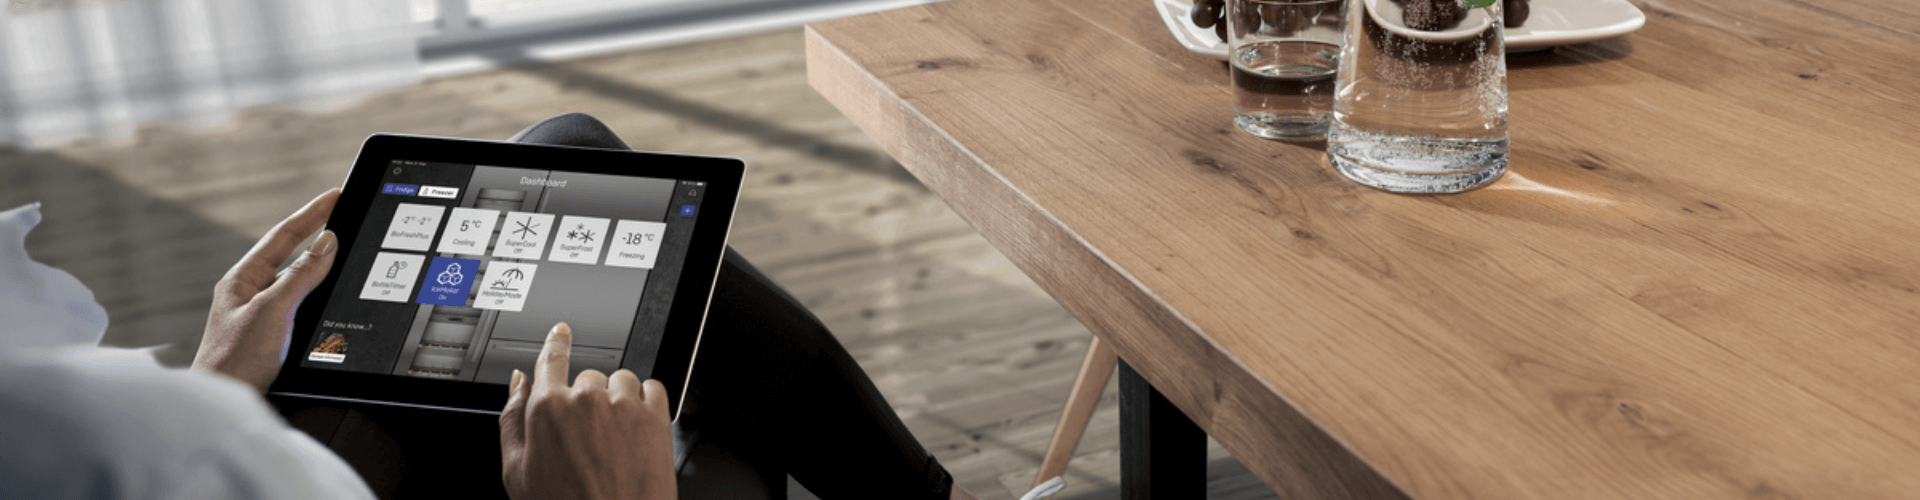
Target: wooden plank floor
pixel 974 357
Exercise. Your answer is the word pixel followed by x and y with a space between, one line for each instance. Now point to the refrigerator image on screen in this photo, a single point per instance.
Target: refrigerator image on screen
pixel 548 246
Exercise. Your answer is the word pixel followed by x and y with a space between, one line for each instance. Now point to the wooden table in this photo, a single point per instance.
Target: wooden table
pixel 1700 280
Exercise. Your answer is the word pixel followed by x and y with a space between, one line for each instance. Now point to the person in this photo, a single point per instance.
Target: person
pixel 81 421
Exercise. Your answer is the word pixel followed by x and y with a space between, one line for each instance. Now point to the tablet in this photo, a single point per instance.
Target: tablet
pixel 458 256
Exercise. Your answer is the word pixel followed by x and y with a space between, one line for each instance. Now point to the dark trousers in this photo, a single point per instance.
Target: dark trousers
pixel 772 394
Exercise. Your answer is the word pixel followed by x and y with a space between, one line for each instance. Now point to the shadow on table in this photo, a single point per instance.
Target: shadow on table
pixel 1603 197
pixel 1316 145
pixel 1548 69
pixel 1610 49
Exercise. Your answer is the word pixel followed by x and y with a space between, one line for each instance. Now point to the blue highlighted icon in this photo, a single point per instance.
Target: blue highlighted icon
pixel 405 189
pixel 447 281
pixel 686 210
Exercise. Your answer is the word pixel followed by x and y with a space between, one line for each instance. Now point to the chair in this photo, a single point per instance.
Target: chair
pixel 1081 400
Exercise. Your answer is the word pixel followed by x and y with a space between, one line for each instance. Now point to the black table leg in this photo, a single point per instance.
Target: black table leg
pixel 1162 453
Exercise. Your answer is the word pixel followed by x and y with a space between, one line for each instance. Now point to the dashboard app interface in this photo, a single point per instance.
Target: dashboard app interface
pixel 460 271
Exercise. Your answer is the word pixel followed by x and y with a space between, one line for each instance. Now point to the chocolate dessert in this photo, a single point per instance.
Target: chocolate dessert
pixel 334 344
pixel 1516 12
pixel 1433 15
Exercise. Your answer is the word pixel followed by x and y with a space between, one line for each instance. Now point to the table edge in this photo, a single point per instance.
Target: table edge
pixel 1316 465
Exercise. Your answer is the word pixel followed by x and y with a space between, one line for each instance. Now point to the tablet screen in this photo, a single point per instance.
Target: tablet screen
pixel 459 271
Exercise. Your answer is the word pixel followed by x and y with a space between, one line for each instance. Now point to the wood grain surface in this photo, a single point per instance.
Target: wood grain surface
pixel 1700 278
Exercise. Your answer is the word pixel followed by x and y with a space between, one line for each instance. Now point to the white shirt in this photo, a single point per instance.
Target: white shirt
pixel 78 421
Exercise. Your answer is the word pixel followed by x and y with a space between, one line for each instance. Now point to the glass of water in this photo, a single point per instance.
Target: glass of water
pixel 1283 54
pixel 1421 102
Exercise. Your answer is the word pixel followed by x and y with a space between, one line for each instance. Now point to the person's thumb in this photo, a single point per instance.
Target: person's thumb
pixel 306 272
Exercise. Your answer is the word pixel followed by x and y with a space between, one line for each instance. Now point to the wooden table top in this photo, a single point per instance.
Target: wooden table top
pixel 1699 280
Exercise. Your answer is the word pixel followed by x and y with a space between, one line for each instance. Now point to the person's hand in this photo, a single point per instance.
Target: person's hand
pixel 252 316
pixel 603 438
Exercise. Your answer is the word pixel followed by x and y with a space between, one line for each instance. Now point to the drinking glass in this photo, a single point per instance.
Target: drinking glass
pixel 1283 54
pixel 1420 110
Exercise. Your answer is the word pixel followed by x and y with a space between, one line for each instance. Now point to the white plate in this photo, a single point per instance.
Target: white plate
pixel 1552 22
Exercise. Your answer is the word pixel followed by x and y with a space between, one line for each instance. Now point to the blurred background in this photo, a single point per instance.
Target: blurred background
pixel 164 136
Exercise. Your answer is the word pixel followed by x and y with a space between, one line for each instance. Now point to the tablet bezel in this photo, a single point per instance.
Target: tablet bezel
pixel 685 321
